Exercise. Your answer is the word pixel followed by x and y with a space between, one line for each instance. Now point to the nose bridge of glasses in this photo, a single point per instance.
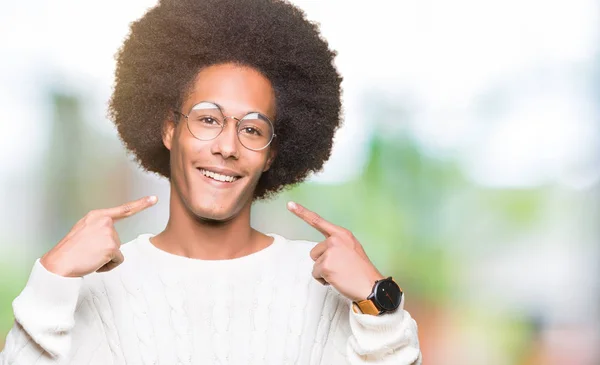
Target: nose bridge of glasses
pixel 235 120
pixel 232 129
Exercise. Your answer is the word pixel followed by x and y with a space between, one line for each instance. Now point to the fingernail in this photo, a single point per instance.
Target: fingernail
pixel 291 205
pixel 152 199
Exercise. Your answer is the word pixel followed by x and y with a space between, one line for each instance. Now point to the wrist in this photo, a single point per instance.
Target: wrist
pixel 368 286
pixel 52 266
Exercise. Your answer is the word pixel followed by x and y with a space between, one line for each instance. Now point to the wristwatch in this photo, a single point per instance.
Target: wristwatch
pixel 385 297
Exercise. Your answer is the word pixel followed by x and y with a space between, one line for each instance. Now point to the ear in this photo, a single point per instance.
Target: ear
pixel 168 132
pixel 271 158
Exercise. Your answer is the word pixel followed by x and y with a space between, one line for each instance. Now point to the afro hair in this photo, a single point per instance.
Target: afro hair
pixel 174 40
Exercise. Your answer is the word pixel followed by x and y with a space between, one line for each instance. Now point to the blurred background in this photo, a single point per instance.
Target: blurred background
pixel 468 164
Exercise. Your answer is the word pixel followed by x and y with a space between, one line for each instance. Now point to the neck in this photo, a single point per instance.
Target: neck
pixel 190 236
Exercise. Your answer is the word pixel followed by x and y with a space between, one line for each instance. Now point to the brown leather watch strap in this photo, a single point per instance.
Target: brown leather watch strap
pixel 365 307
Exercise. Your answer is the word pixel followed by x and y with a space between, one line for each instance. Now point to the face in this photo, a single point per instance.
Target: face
pixel 198 167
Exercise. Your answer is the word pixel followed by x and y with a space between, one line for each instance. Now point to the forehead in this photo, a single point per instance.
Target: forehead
pixel 237 89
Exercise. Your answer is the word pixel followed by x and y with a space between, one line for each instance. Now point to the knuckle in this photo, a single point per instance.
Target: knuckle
pixel 358 247
pixel 338 241
pixel 110 252
pixel 127 209
pixel 90 216
pixel 347 233
pixel 105 221
pixel 314 219
pixel 107 254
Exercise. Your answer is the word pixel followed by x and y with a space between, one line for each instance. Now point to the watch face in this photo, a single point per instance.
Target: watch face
pixel 388 295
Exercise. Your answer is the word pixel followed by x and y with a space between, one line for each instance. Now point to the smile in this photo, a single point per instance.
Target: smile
pixel 218 177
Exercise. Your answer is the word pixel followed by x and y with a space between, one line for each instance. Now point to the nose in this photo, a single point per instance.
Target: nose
pixel 227 144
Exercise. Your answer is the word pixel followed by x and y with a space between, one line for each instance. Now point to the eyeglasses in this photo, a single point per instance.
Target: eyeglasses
pixel 206 121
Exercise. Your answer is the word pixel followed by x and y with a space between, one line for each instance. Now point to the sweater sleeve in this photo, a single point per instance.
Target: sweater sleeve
pixel 55 323
pixel 360 339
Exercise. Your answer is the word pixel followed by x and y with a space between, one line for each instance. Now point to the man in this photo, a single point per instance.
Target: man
pixel 231 101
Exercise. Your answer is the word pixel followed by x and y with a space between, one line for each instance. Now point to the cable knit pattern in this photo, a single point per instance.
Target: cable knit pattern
pixel 261 310
pixel 221 310
pixel 324 327
pixel 142 326
pixel 175 295
pixel 159 308
pixel 296 317
pixel 100 302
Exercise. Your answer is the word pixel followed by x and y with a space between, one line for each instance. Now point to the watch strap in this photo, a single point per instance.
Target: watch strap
pixel 366 307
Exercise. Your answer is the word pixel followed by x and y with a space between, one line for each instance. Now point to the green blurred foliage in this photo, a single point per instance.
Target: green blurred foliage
pixel 12 280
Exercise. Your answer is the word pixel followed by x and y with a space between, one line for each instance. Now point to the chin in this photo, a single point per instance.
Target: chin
pixel 215 216
pixel 217 209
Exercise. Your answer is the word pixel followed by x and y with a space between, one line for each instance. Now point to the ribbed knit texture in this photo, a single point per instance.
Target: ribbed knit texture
pixel 160 308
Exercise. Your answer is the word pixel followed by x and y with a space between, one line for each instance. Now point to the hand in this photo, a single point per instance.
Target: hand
pixel 92 244
pixel 340 259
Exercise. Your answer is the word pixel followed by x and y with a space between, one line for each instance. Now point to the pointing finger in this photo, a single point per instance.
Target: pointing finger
pixel 129 209
pixel 312 218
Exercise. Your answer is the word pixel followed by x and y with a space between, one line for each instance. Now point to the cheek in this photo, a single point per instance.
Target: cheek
pixel 181 150
pixel 259 165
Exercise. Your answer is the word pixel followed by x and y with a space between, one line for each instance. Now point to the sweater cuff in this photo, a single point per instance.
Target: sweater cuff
pixel 384 333
pixel 46 307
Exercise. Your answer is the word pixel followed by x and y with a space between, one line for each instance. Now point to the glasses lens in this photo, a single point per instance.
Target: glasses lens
pixel 205 121
pixel 255 131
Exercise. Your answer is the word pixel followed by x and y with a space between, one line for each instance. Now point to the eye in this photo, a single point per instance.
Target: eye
pixel 209 121
pixel 251 131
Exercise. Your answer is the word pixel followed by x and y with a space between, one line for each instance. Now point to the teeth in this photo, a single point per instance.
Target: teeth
pixel 218 177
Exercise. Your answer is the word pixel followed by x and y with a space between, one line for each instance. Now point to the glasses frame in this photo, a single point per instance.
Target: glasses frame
pixel 225 117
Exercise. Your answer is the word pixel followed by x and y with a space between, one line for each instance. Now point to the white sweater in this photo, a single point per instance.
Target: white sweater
pixel 160 308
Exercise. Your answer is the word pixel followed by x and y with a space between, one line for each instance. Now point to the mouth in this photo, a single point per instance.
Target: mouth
pixel 222 176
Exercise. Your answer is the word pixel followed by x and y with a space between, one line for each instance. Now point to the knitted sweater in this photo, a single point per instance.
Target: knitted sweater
pixel 160 308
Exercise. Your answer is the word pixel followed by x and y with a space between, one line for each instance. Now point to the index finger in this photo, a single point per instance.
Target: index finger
pixel 312 218
pixel 129 209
